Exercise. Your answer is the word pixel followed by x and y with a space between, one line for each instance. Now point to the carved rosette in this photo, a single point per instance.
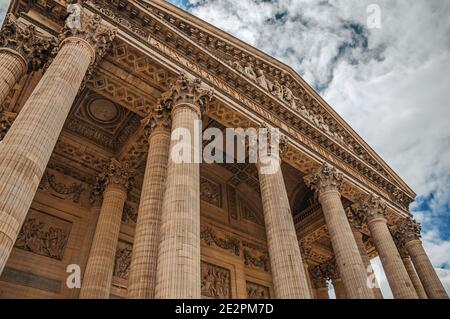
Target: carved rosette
pixel 187 91
pixel 407 229
pixel 325 179
pixel 117 173
pixel 35 48
pixel 158 118
pixel 372 207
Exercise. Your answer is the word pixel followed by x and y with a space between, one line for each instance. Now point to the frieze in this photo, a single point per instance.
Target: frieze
pixel 256 291
pixel 44 235
pixel 72 191
pixel 216 281
pixel 209 237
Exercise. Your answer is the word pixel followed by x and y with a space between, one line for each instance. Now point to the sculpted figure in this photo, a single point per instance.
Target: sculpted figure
pixel 261 79
pixel 248 71
pixel 289 97
pixel 277 90
pixel 236 65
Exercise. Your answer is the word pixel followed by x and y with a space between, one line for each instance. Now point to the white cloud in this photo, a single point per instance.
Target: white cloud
pixel 390 84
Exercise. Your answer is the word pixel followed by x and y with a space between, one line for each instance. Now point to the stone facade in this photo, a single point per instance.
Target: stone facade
pixel 87 176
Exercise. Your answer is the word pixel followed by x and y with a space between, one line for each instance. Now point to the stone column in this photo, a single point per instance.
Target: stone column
pixel 22 49
pixel 373 209
pixel 320 283
pixel 410 268
pixel 117 180
pixel 326 182
pixel 26 148
pixel 408 233
pixel 178 273
pixel 142 278
pixel 288 273
pixel 356 223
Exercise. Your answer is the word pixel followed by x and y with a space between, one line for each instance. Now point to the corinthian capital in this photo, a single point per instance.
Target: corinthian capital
pixel 158 117
pixel 89 27
pixel 318 277
pixel 118 173
pixel 407 229
pixel 326 178
pixel 371 206
pixel 355 217
pixel 189 91
pixel 35 48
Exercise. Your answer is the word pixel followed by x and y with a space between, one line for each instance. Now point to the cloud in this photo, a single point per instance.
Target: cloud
pixel 390 84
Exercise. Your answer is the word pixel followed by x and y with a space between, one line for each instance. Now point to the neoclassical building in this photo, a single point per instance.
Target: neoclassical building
pixel 90 93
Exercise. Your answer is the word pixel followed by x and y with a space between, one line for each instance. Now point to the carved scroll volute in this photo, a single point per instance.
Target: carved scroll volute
pixel 187 91
pixel 407 229
pixel 117 173
pixel 35 48
pixel 158 118
pixel 88 27
pixel 325 179
pixel 371 206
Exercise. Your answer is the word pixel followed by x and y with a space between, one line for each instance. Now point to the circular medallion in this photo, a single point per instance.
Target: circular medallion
pixel 103 110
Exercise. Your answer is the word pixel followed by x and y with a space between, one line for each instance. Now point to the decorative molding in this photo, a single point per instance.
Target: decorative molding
pixel 209 236
pixel 256 291
pixel 72 191
pixel 216 281
pixel 44 235
pixel 232 202
pixel 260 262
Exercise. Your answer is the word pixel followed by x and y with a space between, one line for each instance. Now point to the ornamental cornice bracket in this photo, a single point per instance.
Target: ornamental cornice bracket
pixel 116 173
pixel 35 48
pixel 326 178
pixel 406 230
pixel 187 90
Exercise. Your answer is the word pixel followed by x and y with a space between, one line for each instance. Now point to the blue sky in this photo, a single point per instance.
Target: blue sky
pixel 390 84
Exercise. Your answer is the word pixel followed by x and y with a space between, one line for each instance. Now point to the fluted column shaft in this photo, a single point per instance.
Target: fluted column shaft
pixel 178 268
pixel 289 277
pixel 430 280
pixel 99 270
pixel 366 261
pixel 396 274
pixel 142 279
pixel 339 288
pixel 348 258
pixel 26 148
pixel 12 67
pixel 414 278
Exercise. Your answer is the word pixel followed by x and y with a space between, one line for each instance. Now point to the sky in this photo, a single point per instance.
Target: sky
pixel 391 83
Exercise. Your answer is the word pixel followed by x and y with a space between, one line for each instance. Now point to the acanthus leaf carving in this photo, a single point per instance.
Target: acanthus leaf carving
pixel 370 207
pixel 117 172
pixel 326 178
pixel 35 48
pixel 407 229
